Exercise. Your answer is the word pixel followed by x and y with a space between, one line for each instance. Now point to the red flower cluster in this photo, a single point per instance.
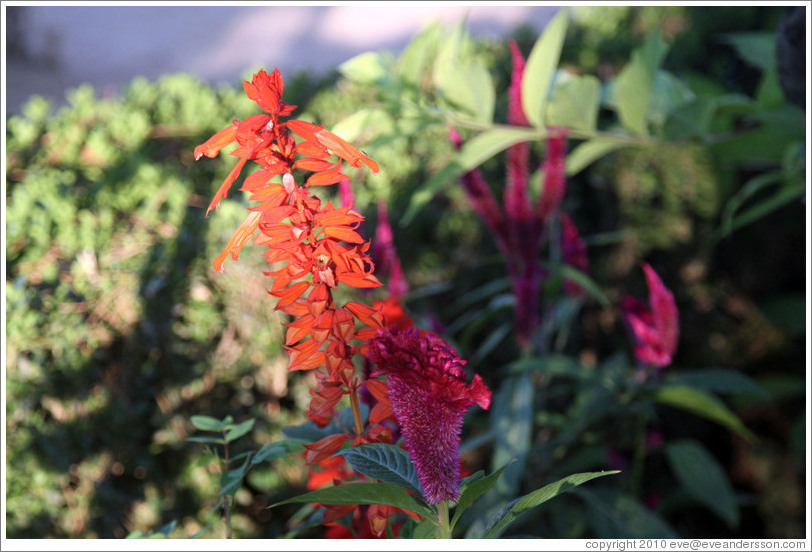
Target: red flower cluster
pixel 313 247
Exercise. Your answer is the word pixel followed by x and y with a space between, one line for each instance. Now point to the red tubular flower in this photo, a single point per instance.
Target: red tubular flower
pixel 429 396
pixel 654 327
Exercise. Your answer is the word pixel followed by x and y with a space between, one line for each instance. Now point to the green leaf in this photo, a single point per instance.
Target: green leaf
pixel 474 490
pixel 668 94
pixel 631 91
pixel 207 423
pixel 387 463
pixel 512 423
pixel 756 48
pixel 702 404
pixel 366 68
pixel 274 450
pixel 717 380
pixel 213 440
pixel 472 154
pixel 239 430
pixel 540 68
pixel 590 151
pixel 386 494
pixel 529 501
pixel 703 478
pixel 415 57
pixel 587 283
pixel 575 103
pixel 468 89
pixel 231 480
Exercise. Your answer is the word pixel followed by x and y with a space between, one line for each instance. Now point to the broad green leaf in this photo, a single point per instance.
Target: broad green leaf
pixel 207 423
pixel 590 151
pixel 468 89
pixel 387 463
pixel 702 404
pixel 631 91
pixel 472 154
pixel 386 494
pixel 417 55
pixel 703 478
pixel 512 423
pixel 575 103
pixel 540 67
pixel 536 498
pixel 717 380
pixel 366 68
pixel 474 490
pixel 239 430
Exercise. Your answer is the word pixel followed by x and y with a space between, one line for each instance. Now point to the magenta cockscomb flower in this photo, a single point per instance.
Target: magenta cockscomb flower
pixel 429 396
pixel 654 327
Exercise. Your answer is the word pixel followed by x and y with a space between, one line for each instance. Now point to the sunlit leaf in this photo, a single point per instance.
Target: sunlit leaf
pixel 540 68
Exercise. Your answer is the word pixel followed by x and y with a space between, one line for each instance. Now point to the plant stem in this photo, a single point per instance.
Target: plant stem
pixel 443 527
pixel 356 412
pixel 226 506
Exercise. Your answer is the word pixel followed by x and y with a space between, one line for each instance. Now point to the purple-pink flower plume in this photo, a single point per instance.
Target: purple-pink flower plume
pixel 430 397
pixel 654 327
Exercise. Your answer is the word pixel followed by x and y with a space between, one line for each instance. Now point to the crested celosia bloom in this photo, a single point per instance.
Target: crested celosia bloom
pixel 429 396
pixel 654 327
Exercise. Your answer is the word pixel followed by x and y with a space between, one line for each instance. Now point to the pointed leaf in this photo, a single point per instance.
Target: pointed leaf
pixel 538 497
pixel 703 478
pixel 474 490
pixel 386 494
pixel 207 423
pixel 718 380
pixel 702 404
pixel 588 152
pixel 275 450
pixel 512 424
pixel 366 68
pixel 239 430
pixel 540 67
pixel 387 463
pixel 575 103
pixel 473 153
pixel 631 92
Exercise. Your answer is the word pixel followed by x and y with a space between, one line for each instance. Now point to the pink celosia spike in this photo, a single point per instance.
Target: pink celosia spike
pixel 654 327
pixel 554 177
